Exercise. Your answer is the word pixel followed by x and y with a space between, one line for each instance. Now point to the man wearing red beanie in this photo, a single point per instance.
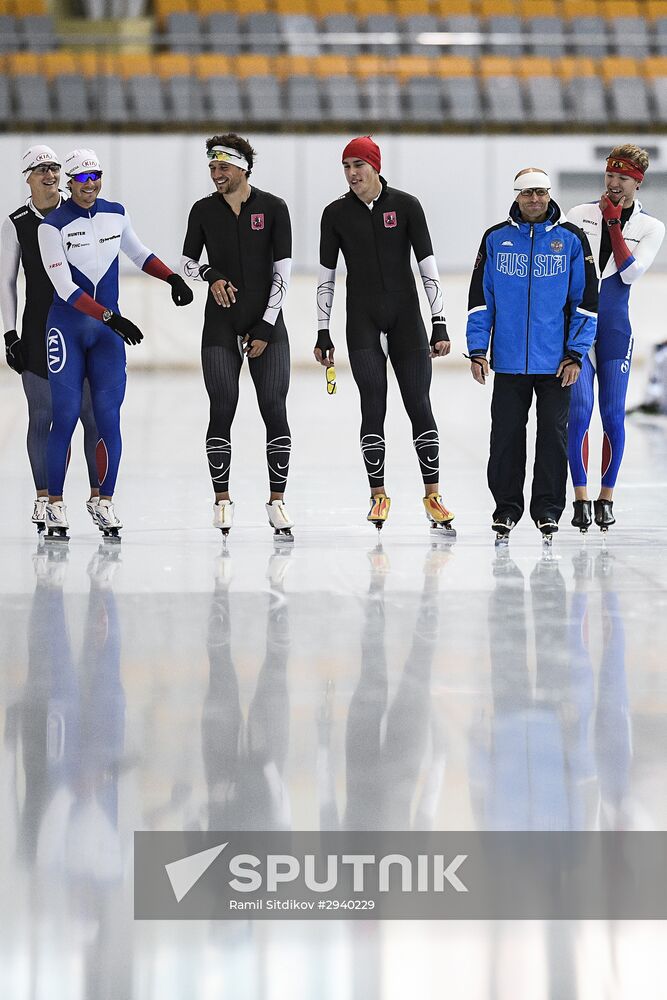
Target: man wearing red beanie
pixel 375 227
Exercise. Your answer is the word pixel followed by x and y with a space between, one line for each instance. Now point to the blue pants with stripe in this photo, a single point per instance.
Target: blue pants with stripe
pixel 612 368
pixel 79 347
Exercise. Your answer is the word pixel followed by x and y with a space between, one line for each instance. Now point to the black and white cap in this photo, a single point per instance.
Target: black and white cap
pixel 37 155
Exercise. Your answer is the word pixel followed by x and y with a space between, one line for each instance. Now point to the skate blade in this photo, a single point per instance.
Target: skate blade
pixel 502 540
pixel 40 525
pixel 110 534
pixel 376 524
pixel 443 532
pixel 49 537
pixel 283 536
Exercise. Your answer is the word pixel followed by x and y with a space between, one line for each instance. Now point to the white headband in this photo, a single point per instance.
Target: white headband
pixel 532 179
pixel 231 156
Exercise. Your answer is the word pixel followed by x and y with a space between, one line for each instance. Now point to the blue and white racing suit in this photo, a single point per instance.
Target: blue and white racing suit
pixel 80 249
pixel 611 356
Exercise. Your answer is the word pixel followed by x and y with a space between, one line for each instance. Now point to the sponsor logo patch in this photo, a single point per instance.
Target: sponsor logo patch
pixel 105 239
pixel 73 246
pixel 57 263
pixel 507 243
pixel 79 232
pixel 56 351
pixel 257 221
pixel 390 221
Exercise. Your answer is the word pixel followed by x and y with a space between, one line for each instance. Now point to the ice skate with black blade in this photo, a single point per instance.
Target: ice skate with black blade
pixel 604 514
pixel 39 514
pixel 548 527
pixel 280 521
pixel 583 516
pixel 223 516
pixel 502 527
pixel 57 525
pixel 108 521
pixel 379 510
pixel 439 518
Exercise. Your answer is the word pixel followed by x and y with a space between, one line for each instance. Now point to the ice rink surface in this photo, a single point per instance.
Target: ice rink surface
pixel 168 683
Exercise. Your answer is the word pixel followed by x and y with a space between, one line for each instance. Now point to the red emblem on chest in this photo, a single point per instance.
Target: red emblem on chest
pixel 389 220
pixel 257 221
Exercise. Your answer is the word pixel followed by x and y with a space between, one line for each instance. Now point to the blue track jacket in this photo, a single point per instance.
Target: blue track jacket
pixel 533 295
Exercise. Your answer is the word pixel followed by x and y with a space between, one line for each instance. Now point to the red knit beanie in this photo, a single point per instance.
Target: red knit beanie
pixel 365 149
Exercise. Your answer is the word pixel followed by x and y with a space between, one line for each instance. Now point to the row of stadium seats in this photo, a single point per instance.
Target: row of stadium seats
pixel 35 32
pixel 272 32
pixel 443 8
pixel 179 91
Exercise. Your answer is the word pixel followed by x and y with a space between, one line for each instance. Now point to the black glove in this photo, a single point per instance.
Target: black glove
pixel 210 274
pixel 439 330
pixel 324 343
pixel 181 293
pixel 124 327
pixel 260 331
pixel 14 351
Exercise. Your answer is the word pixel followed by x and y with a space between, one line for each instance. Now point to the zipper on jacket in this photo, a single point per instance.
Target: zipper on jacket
pixel 530 282
pixel 97 253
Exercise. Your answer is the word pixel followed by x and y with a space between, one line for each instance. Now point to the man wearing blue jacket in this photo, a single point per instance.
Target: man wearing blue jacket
pixel 533 303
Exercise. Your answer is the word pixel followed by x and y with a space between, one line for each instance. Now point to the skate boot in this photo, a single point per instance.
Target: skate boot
pixel 548 527
pixel 280 521
pixel 223 516
pixel 502 526
pixel 107 520
pixel 582 517
pixel 39 513
pixel 439 517
pixel 55 519
pixel 604 514
pixel 379 511
pixel 91 507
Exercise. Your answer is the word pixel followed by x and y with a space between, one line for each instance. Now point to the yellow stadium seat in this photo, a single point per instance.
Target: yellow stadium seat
pixel 408 66
pixel 539 8
pixel 454 8
pixel 209 64
pixel 206 7
pixel 286 66
pixel 654 66
pixel 496 66
pixel 23 8
pixel 253 65
pixel 654 9
pixel 363 8
pixel 581 8
pixel 532 66
pixel 575 66
pixel 250 7
pixel 612 67
pixel 163 8
pixel 367 65
pixel 135 64
pixel 293 6
pixel 331 65
pixel 168 64
pixel 406 8
pixel 95 62
pixel 24 64
pixel 321 8
pixel 59 63
pixel 498 8
pixel 447 66
pixel 621 8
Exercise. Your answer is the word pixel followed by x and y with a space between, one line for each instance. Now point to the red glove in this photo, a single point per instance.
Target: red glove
pixel 610 212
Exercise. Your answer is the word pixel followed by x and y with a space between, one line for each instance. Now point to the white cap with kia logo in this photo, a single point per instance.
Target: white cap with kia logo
pixel 81 160
pixel 37 155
